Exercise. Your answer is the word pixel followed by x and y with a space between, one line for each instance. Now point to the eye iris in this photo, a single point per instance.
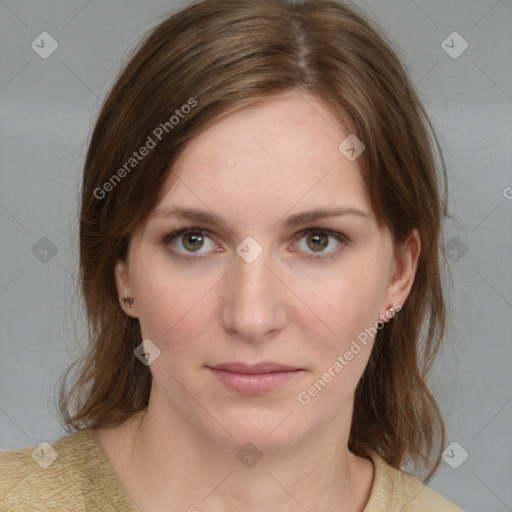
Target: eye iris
pixel 196 243
pixel 317 237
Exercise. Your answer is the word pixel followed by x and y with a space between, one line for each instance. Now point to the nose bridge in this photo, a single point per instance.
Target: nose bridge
pixel 254 303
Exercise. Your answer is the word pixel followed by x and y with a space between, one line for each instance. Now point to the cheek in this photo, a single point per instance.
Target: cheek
pixel 347 304
pixel 170 308
pixel 343 340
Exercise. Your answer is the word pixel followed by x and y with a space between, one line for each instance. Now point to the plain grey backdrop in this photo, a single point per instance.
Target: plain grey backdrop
pixel 458 54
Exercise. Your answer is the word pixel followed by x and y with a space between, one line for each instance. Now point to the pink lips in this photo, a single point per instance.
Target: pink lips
pixel 254 379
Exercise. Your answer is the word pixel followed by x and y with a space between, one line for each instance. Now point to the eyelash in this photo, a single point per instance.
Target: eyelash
pixel 341 237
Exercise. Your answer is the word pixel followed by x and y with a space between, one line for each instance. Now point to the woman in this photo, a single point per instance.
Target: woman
pixel 259 251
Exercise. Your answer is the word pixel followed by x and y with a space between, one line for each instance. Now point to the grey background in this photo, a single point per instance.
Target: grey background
pixel 48 107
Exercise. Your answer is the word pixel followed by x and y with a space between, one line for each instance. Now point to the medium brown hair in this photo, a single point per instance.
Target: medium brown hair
pixel 224 55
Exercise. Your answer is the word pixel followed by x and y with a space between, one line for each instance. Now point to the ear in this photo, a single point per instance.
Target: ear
pixel 122 280
pixel 404 271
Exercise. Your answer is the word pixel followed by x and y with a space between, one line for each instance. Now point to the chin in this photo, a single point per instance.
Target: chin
pixel 265 429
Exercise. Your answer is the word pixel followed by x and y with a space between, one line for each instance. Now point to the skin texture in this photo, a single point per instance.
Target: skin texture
pixel 255 168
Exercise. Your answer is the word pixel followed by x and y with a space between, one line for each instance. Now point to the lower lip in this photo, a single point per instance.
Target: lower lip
pixel 254 384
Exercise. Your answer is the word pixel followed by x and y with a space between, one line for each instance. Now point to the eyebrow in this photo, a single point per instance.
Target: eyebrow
pixel 204 216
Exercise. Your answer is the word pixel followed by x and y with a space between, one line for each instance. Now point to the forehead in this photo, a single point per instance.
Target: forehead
pixel 266 158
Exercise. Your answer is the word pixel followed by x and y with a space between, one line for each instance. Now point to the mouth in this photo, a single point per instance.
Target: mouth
pixel 254 379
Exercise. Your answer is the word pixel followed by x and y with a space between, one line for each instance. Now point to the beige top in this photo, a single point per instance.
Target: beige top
pixel 80 478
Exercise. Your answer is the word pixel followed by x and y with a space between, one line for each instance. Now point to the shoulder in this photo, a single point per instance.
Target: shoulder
pixel 41 474
pixel 68 474
pixel 46 476
pixel 394 489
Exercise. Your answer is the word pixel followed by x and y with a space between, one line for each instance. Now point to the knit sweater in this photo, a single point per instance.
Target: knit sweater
pixel 73 474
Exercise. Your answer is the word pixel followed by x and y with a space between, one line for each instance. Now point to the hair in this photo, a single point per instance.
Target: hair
pixel 218 56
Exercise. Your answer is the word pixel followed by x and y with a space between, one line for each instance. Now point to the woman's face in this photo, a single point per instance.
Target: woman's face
pixel 257 287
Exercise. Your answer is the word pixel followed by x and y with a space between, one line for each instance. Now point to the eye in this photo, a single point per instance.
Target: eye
pixel 188 241
pixel 318 239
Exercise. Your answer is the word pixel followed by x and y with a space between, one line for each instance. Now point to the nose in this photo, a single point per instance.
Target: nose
pixel 254 307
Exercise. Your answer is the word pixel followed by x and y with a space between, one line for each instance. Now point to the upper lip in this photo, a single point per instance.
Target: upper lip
pixel 266 367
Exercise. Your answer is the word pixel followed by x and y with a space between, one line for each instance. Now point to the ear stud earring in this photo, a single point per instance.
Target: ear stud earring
pixel 129 302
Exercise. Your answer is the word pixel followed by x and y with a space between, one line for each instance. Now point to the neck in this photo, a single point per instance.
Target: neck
pixel 174 465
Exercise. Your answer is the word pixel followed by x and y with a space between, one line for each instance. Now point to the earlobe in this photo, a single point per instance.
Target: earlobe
pixel 123 287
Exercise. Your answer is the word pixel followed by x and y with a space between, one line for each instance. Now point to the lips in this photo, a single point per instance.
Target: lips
pixel 266 367
pixel 255 379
